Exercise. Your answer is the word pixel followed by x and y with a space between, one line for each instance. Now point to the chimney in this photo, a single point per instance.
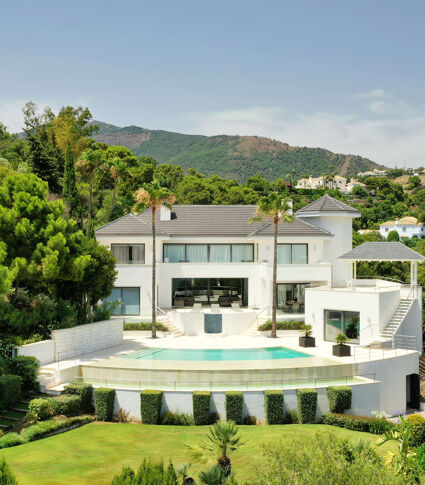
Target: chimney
pixel 164 214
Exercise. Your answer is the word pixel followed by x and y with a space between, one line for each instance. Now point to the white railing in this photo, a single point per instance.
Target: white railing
pixel 399 345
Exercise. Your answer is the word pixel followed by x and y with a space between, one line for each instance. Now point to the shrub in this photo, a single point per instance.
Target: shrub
pixel 286 325
pixel 341 339
pixel 43 428
pixel 68 405
pixel 177 419
pixel 148 473
pixel 26 367
pixel 104 400
pixel 273 404
pixel 6 475
pixel 85 391
pixel 417 429
pixel 339 398
pixel 150 406
pixel 307 405
pixel 11 439
pixel 10 390
pixel 358 423
pixel 234 406
pixel 144 326
pixel 40 408
pixel 214 418
pixel 250 420
pixel 201 407
pixel 122 416
pixel 292 417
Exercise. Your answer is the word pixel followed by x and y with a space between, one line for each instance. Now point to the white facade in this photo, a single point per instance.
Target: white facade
pixel 407 227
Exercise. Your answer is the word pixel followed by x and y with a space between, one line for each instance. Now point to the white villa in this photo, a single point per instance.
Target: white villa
pixel 406 227
pixel 214 290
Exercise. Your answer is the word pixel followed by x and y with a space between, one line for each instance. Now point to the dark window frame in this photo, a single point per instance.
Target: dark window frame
pixel 295 244
pixel 185 260
pixel 130 252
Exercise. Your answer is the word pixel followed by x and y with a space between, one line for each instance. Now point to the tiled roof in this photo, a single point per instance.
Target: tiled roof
pixel 382 251
pixel 407 221
pixel 207 220
pixel 328 204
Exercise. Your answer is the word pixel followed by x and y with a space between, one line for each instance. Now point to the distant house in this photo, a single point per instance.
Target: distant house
pixel 373 173
pixel 338 182
pixel 407 227
pixel 353 183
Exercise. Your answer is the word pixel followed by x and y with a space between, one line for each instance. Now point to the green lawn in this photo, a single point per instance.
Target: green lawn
pixel 93 453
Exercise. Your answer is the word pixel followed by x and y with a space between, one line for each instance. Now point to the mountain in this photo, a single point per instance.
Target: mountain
pixel 236 157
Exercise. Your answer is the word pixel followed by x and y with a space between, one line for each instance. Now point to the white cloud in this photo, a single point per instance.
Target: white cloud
pixel 374 93
pixel 391 140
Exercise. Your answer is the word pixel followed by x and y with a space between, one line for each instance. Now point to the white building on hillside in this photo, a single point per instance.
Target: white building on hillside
pixel 407 227
pixel 373 173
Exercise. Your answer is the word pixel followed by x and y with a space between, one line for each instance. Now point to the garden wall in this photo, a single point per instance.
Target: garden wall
pixel 44 351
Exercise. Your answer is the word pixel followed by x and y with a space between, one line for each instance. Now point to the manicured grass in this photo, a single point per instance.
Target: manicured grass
pixel 93 453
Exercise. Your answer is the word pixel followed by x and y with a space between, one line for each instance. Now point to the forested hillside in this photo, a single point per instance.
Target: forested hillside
pixel 236 157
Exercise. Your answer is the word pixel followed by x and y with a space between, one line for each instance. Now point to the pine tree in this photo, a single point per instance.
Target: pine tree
pixel 70 192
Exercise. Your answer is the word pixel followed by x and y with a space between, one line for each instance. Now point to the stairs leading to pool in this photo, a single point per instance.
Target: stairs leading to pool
pixel 253 331
pixel 172 329
pixel 46 378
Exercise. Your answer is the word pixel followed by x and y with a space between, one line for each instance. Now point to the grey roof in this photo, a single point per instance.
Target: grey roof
pixel 382 251
pixel 207 220
pixel 328 204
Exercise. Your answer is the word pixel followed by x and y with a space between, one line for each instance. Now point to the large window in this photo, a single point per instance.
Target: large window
pixel 337 321
pixel 129 301
pixel 212 253
pixel 206 291
pixel 292 253
pixel 290 297
pixel 129 253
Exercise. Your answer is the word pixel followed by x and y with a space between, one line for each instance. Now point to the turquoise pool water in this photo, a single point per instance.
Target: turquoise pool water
pixel 216 354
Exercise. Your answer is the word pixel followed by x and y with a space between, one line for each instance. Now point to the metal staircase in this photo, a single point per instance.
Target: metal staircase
pixel 396 320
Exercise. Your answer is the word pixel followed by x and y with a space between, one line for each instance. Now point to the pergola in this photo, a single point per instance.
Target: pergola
pixel 384 251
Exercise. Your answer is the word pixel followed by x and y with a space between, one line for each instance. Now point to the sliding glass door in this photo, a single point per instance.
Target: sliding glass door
pixel 290 297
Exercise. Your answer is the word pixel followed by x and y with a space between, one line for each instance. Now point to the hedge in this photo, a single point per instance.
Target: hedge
pixel 150 406
pixel 286 325
pixel 85 391
pixel 234 406
pixel 144 326
pixel 10 391
pixel 358 423
pixel 66 404
pixel 339 398
pixel 201 407
pixel 11 439
pixel 417 429
pixel 26 367
pixel 104 400
pixel 41 408
pixel 307 405
pixel 273 406
pixel 177 419
pixel 39 430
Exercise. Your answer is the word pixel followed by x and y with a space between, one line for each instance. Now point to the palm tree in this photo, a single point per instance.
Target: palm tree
pixel 276 208
pixel 220 441
pixel 88 164
pixel 117 169
pixel 153 196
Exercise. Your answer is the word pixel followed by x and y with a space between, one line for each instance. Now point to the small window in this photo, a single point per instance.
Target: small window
pixel 129 301
pixel 387 229
pixel 404 229
pixel 292 253
pixel 129 253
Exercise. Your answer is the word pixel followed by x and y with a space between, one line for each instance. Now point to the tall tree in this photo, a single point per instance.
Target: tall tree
pixel 70 191
pixel 153 196
pixel 278 209
pixel 117 169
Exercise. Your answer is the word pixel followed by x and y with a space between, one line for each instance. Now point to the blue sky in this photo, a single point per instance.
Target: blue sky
pixel 347 76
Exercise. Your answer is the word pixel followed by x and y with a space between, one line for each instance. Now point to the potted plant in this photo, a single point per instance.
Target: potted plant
pixel 340 349
pixel 306 340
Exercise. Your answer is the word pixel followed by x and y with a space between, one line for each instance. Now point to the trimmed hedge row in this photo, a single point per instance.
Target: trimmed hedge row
pixel 10 391
pixel 145 326
pixel 104 399
pixel 68 405
pixel 307 405
pixel 273 406
pixel 85 391
pixel 150 406
pixel 201 401
pixel 357 423
pixel 285 325
pixel 40 408
pixel 339 398
pixel 234 406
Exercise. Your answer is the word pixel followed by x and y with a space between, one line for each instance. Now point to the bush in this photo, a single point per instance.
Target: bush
pixel 11 439
pixel 292 417
pixel 27 368
pixel 43 428
pixel 85 391
pixel 273 405
pixel 67 405
pixel 150 406
pixel 250 420
pixel 201 401
pixel 307 405
pixel 339 398
pixel 358 423
pixel 104 400
pixel 214 418
pixel 286 325
pixel 6 475
pixel 234 406
pixel 177 419
pixel 144 326
pixel 10 390
pixel 40 408
pixel 417 428
pixel 148 473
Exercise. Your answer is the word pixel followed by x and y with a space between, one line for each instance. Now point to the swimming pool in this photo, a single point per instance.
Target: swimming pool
pixel 216 354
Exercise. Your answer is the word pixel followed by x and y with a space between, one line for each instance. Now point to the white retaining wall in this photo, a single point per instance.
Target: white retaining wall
pixel 44 351
pixel 82 339
pixel 366 398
